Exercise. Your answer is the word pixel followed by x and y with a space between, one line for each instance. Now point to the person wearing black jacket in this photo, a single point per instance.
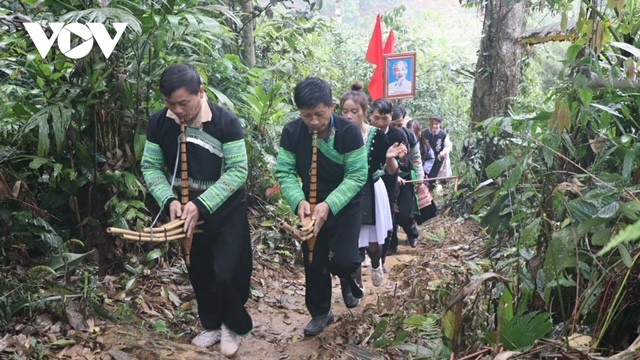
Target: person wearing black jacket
pixel 221 263
pixel 407 193
pixel 381 118
pixel 341 173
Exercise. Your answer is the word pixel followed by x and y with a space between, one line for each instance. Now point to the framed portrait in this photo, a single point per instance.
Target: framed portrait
pixel 400 75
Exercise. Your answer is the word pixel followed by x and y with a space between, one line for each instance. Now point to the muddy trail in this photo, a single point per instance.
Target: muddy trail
pixel 162 318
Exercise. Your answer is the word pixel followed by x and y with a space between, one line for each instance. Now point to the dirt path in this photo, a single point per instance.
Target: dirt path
pixel 278 310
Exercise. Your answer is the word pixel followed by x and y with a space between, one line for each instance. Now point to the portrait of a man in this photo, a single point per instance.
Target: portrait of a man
pixel 400 75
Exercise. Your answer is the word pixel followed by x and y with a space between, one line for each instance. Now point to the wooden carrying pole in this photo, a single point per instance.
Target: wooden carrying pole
pixel 313 188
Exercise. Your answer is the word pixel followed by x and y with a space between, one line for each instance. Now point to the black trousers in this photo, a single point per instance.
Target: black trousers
pixel 335 252
pixel 433 173
pixel 405 215
pixel 221 266
pixel 427 212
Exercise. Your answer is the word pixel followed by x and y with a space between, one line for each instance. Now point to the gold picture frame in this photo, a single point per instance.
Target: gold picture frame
pixel 399 75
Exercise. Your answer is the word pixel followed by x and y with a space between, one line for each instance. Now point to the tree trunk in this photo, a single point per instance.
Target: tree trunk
pixel 498 70
pixel 248 42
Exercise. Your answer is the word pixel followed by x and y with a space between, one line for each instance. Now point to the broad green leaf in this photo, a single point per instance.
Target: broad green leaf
pixel 601 237
pixel 631 209
pixel 381 343
pixel 103 14
pixel 70 260
pixel 61 118
pixel 587 226
pixel 628 234
pixel 448 324
pixel 401 336
pixel 548 156
pixel 381 327
pixel 585 94
pixel 551 141
pixel 560 254
pixel 505 308
pixel 581 210
pixel 499 166
pixel 43 136
pixel 154 254
pixel 625 256
pixel 628 163
pixel 607 109
pixel 138 144
pixel 131 284
pixel 573 51
pixel 221 97
pixel 563 21
pixel 609 211
pixel 626 47
pixel 516 175
pixel 37 162
pixel 492 217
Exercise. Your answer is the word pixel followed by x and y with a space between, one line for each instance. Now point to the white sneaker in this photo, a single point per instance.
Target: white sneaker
pixel 207 338
pixel 377 276
pixel 229 342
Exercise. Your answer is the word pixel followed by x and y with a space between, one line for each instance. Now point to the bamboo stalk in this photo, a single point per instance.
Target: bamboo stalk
pixel 154 239
pixel 141 237
pixel 184 198
pixel 168 226
pixel 313 187
pixel 118 231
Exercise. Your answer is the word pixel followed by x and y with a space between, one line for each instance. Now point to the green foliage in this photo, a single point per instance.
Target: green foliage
pixel 521 332
pixel 438 236
pixel 566 190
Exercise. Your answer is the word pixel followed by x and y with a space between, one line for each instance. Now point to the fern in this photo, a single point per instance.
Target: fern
pixel 524 330
pixel 427 326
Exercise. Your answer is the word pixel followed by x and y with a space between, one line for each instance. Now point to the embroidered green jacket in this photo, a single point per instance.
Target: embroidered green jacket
pixel 342 165
pixel 216 153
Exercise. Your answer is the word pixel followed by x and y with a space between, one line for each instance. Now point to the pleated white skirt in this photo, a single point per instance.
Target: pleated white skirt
pixel 377 233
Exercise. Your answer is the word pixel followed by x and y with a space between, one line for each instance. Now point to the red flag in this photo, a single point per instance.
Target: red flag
pixel 376 85
pixel 375 55
pixel 390 45
pixel 374 52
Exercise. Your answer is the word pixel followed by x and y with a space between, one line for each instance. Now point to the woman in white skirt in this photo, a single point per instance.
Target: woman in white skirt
pixel 376 213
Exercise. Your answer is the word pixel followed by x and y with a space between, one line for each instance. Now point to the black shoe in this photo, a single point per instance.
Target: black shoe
pixel 392 251
pixel 357 288
pixel 350 301
pixel 413 241
pixel 318 323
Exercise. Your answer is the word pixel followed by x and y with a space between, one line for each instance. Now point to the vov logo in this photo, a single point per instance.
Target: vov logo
pixel 87 32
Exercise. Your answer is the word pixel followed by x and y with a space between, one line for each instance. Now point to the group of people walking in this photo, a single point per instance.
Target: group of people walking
pixel 368 175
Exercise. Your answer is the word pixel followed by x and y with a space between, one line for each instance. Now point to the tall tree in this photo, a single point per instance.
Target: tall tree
pixel 498 70
pixel 248 41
